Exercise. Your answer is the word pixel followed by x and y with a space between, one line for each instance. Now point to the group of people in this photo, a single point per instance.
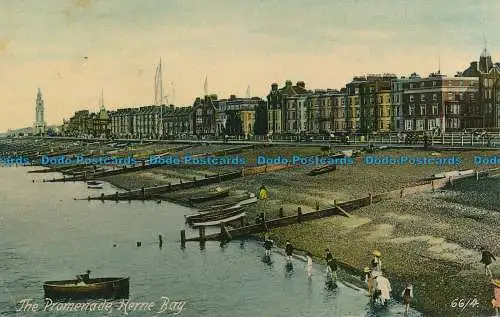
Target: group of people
pixel 379 287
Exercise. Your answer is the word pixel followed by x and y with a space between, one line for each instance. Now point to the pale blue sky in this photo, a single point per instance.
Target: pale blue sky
pixel 235 43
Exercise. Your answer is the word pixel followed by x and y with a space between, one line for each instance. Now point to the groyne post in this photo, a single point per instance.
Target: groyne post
pixel 477 175
pixel 402 194
pixel 370 198
pixel 183 238
pixel 116 196
pixel 129 195
pixel 143 193
pixel 202 234
pixel 281 213
pixel 102 196
pixel 433 186
pixel 299 214
pixel 317 205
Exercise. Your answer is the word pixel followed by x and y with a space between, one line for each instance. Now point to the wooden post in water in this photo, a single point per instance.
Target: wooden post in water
pixel 317 205
pixel 183 238
pixel 477 175
pixel 102 196
pixel 116 196
pixel 433 186
pixel 218 175
pixel 226 236
pixel 370 197
pixel 299 214
pixel 402 192
pixel 129 195
pixel 335 202
pixel 143 193
pixel 202 234
pixel 281 213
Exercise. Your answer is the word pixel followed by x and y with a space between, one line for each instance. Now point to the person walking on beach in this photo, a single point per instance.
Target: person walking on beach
pixel 376 261
pixel 328 256
pixel 407 296
pixel 487 258
pixel 288 251
pixel 268 245
pixel 309 266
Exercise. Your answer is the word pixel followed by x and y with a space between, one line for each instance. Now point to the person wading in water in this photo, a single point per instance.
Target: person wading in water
pixel 487 258
pixel 288 251
pixel 368 280
pixel 268 245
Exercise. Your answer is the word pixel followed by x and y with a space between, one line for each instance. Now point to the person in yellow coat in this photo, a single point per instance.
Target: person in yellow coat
pixel 263 193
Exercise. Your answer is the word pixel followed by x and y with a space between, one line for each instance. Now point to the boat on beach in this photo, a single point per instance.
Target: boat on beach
pixel 210 196
pixel 322 170
pixel 95 184
pixel 214 215
pixel 84 287
pixel 218 222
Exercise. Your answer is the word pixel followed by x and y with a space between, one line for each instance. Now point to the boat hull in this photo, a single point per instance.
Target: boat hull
pixel 209 197
pixel 98 288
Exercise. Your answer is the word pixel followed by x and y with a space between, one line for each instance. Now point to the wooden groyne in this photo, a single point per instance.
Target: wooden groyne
pixel 145 165
pixel 153 192
pixel 342 209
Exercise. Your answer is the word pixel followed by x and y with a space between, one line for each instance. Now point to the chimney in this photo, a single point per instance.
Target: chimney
pixel 288 83
pixel 232 97
pixel 274 86
pixel 301 84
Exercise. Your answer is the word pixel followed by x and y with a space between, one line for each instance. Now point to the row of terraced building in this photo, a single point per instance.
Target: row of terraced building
pixel 372 103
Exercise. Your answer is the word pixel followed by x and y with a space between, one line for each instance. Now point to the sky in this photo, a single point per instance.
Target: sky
pixel 72 49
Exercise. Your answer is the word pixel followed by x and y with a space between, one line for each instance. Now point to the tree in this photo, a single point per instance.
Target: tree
pixel 261 120
pixel 234 125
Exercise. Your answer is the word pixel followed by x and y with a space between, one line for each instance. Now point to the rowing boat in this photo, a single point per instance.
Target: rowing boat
pixel 214 215
pixel 214 223
pixel 95 288
pixel 209 196
pixel 322 169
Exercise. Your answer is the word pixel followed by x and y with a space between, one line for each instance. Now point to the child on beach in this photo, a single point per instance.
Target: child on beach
pixel 407 296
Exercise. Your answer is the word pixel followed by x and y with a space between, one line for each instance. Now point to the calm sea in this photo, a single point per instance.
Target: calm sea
pixel 47 235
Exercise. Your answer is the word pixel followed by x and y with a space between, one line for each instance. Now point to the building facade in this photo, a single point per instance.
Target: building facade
pixel 204 116
pixel 440 102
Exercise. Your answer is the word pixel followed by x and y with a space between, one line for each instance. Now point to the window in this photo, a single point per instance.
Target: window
pixel 451 96
pixel 411 98
pixel 434 110
pixel 411 110
pixel 422 110
pixel 434 83
pixel 422 84
pixel 356 91
pixel 422 98
pixel 411 86
pixel 461 96
pixel 434 97
pixel 381 99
